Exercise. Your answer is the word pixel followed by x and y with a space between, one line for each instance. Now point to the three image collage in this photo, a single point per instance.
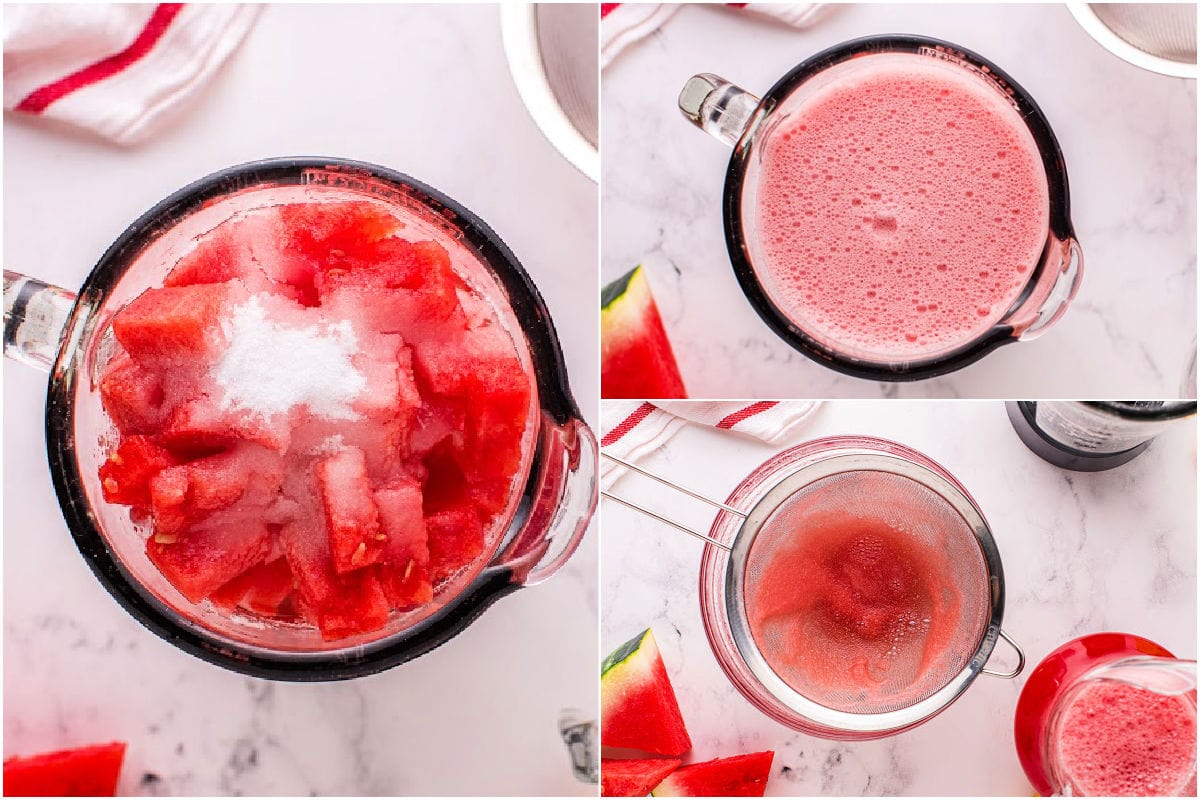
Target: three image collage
pixel 600 399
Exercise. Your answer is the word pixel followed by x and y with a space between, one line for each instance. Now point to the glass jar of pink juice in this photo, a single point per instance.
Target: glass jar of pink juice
pixel 1109 715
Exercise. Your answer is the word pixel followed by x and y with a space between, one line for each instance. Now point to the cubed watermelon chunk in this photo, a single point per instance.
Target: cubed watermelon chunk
pixel 351 518
pixel 736 776
pixel 317 229
pixel 80 772
pixel 480 368
pixel 404 572
pixel 185 494
pixel 261 589
pixel 391 388
pixel 220 256
pixel 126 473
pixel 439 419
pixel 638 708
pixel 201 426
pixel 455 540
pixel 340 605
pixel 636 359
pixel 633 777
pixel 175 323
pixel 271 586
pixel 169 501
pixel 420 281
pixel 382 264
pixel 229 596
pixel 248 249
pixel 202 559
pixel 468 364
pixel 495 431
pixel 491 494
pixel 132 396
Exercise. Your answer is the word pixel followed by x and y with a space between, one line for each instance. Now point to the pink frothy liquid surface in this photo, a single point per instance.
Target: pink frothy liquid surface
pixel 903 206
pixel 860 612
pixel 1119 740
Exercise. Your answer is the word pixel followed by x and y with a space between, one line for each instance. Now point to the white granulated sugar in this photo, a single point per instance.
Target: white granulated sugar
pixel 271 368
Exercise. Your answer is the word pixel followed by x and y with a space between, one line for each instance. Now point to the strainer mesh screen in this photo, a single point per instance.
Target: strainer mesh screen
pixel 1166 30
pixel 866 591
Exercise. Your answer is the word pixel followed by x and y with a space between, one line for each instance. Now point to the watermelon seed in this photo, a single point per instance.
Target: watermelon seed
pixel 360 555
pixel 408 570
pixel 116 459
pixel 381 537
pixel 111 486
pixel 165 538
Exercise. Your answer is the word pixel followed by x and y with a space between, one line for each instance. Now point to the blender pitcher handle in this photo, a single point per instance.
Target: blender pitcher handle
pixel 1015 671
pixel 717 107
pixel 35 316
pixel 1054 292
pixel 562 508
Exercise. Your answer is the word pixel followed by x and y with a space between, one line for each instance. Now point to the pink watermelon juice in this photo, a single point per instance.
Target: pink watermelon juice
pixel 1119 740
pixel 318 418
pixel 850 607
pixel 902 207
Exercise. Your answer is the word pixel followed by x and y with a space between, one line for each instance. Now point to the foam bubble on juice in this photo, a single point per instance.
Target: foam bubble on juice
pixel 1119 740
pixel 270 367
pixel 903 207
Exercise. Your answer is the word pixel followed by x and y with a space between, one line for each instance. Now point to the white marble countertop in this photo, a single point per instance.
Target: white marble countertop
pixel 1081 553
pixel 1128 137
pixel 424 90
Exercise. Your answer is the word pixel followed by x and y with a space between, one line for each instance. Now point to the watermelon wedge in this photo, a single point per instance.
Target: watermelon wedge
pixel 638 705
pixel 633 777
pixel 737 776
pixel 636 360
pixel 81 772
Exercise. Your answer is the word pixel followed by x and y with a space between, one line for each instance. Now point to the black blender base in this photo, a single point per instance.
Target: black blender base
pixel 1021 415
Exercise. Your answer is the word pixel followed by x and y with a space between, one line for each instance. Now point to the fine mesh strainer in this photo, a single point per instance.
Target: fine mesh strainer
pixel 857 595
pixel 1156 36
pixel 553 54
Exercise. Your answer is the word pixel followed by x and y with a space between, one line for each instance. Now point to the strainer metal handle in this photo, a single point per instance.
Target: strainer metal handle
pixel 1018 669
pixel 678 488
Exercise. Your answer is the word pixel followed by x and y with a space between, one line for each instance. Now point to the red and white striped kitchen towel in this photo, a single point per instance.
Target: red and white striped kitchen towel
pixel 633 429
pixel 622 24
pixel 114 69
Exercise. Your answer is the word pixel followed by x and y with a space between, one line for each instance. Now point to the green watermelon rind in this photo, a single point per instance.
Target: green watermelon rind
pixel 636 357
pixel 623 653
pixel 617 289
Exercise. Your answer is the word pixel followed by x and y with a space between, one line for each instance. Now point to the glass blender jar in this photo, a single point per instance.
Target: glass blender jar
pixel 1090 436
pixel 69 334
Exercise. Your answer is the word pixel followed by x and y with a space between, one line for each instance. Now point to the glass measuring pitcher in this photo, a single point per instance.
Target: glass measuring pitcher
pixel 1109 714
pixel 1089 436
pixel 780 247
pixel 550 503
